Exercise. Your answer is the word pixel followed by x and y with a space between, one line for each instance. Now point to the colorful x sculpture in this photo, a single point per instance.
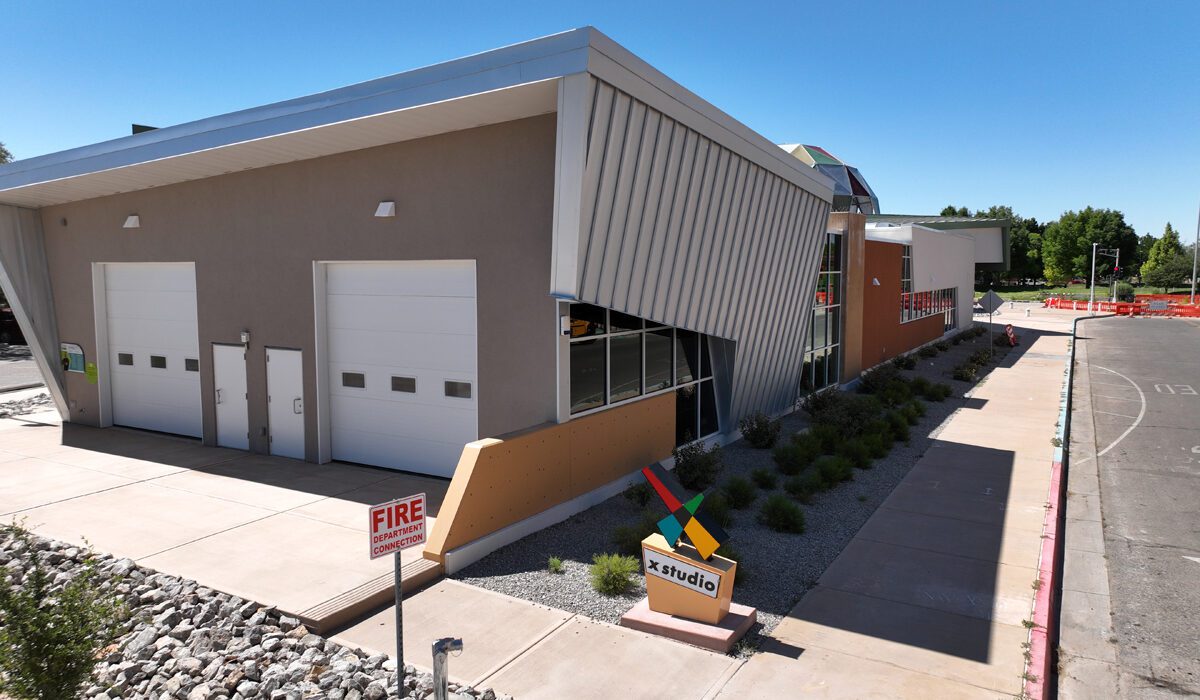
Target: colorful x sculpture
pixel 706 536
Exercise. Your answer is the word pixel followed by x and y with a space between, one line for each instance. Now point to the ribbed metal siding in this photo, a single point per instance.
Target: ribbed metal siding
pixel 684 231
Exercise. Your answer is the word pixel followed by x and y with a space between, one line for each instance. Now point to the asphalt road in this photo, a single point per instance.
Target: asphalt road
pixel 1145 398
pixel 17 368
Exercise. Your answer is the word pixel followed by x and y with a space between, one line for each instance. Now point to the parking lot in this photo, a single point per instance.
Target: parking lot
pixel 1136 428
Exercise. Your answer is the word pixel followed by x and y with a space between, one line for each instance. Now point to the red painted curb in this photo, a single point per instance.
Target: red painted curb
pixel 1044 601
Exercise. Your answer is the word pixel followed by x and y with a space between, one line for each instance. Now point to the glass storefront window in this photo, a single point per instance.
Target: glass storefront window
pixel 588 367
pixel 687 348
pixel 586 320
pixel 659 364
pixel 685 414
pixel 625 368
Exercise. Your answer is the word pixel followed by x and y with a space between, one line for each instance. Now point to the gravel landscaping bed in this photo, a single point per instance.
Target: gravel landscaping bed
pixel 22 407
pixel 794 562
pixel 189 642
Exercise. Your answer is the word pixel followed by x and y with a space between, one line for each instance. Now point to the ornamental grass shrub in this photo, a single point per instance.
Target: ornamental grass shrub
pixel 51 634
pixel 898 423
pixel 613 574
pixel 697 466
pixel 856 452
pixel 628 538
pixel 904 362
pixel 827 436
pixel 759 430
pixel 877 445
pixel 740 492
pixel 639 494
pixel 554 565
pixel 874 380
pixel 794 455
pixel 804 486
pixel 834 470
pixel 782 515
pixel 717 507
pixel 910 413
pixel 928 352
pixel 942 345
pixel 764 478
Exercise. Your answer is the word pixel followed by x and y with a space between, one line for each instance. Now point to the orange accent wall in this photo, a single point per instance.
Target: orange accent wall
pixel 501 481
pixel 884 337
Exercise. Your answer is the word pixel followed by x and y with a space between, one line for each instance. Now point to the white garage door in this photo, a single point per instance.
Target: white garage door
pixel 402 363
pixel 154 350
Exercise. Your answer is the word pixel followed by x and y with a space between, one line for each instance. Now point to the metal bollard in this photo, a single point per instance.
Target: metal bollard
pixel 441 649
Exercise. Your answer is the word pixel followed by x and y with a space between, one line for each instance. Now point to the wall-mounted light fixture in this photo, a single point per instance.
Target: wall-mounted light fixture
pixel 385 210
pixel 133 221
pixel 875 281
pixel 245 337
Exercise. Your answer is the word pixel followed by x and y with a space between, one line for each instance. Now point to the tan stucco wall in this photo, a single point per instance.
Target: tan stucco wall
pixel 484 194
pixel 499 482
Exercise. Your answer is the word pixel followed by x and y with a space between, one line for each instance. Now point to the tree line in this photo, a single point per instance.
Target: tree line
pixel 1060 251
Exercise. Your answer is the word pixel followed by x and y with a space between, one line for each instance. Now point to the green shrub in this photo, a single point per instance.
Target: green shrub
pixel 726 550
pixel 898 423
pixel 554 565
pixel 628 538
pixel 896 393
pixel 920 385
pixel 780 514
pixel 796 454
pixel 856 452
pixel 981 357
pixel 873 381
pixel 877 445
pixel 51 636
pixel 717 507
pixel 928 352
pixel 882 428
pixel 821 401
pixel 764 478
pixel 803 486
pixel 940 392
pixel 740 492
pixel 612 574
pixel 834 470
pixel 904 362
pixel 917 407
pixel 965 373
pixel 826 436
pixel 1125 291
pixel 942 346
pixel 639 494
pixel 909 411
pixel 759 430
pixel 956 338
pixel 848 415
pixel 696 466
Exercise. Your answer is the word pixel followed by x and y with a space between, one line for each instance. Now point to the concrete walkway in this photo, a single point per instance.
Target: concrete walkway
pixel 929 598
pixel 273 530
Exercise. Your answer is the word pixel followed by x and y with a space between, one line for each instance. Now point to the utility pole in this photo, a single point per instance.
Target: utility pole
pixel 1092 298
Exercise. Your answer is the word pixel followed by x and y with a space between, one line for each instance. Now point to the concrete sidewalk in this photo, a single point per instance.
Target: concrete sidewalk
pixel 273 530
pixel 930 597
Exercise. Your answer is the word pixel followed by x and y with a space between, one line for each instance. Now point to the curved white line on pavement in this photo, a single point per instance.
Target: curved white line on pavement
pixel 1141 413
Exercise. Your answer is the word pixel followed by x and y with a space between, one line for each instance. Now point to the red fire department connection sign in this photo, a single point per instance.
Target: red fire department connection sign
pixel 397 525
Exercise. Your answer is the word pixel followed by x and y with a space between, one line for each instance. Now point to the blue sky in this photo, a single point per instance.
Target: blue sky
pixel 1045 106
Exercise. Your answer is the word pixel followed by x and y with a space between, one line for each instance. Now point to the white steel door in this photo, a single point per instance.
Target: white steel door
pixel 154 347
pixel 402 363
pixel 285 402
pixel 229 380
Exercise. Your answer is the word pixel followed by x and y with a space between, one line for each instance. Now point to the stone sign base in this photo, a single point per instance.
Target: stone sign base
pixel 719 637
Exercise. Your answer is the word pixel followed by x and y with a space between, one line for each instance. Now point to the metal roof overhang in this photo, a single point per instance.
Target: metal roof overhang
pixel 492 87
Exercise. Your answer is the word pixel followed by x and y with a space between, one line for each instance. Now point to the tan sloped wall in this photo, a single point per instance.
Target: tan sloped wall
pixel 501 481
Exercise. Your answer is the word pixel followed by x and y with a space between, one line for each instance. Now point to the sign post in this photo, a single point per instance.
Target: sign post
pixel 990 302
pixel 394 527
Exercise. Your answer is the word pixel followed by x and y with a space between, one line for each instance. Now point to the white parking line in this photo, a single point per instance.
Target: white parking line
pixel 1110 413
pixel 1141 413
